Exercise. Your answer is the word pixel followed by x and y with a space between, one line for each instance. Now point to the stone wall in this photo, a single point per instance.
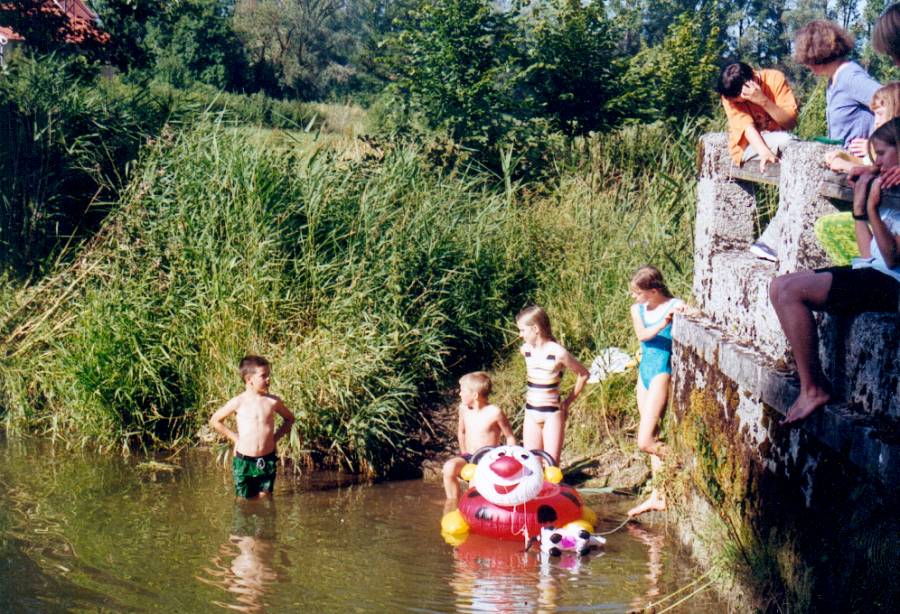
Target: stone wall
pixel 805 516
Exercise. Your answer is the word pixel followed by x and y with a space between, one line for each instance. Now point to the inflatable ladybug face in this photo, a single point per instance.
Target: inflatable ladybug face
pixel 509 475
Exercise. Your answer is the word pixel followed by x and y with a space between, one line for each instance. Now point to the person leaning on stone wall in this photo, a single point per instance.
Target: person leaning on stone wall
pixel 823 47
pixel 761 110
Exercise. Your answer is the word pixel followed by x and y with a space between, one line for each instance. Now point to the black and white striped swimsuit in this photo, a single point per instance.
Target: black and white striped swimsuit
pixel 544 374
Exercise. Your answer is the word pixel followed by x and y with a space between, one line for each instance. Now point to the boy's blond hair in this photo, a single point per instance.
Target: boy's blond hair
pixel 250 363
pixel 478 382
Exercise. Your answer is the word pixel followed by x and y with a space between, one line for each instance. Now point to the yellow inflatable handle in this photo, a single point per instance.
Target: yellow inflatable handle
pixel 553 475
pixel 468 472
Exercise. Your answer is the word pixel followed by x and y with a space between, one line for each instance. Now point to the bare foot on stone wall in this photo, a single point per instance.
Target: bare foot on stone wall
pixel 808 402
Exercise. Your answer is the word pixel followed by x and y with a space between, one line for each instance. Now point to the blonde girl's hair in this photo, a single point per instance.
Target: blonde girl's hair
pixel 649 278
pixel 536 316
pixel 478 382
pixel 888 97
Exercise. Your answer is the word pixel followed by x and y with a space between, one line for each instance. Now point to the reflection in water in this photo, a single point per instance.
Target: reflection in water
pixel 89 532
pixel 655 545
pixel 490 575
pixel 244 565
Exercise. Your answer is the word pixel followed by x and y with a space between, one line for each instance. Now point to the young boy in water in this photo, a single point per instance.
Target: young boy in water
pixel 480 424
pixel 253 465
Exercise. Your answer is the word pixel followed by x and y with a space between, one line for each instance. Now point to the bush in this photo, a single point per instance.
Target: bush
pixel 361 282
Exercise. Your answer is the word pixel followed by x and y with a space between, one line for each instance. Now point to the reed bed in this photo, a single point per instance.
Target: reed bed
pixel 363 281
pixel 370 281
pixel 622 200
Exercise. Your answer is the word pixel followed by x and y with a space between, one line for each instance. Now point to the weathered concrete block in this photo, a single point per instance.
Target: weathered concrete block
pixel 739 302
pixel 802 175
pixel 861 358
pixel 725 222
pixel 757 382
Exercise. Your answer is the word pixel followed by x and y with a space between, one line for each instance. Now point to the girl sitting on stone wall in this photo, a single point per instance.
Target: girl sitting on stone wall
pixel 871 284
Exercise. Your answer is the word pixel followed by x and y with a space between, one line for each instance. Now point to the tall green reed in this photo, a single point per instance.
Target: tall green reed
pixel 362 281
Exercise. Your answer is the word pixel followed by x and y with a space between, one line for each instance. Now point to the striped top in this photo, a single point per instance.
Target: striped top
pixel 544 371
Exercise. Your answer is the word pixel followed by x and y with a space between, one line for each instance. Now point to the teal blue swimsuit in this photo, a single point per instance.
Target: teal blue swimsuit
pixel 656 353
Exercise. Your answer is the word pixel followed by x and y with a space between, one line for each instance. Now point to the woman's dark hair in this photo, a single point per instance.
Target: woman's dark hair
pixel 888 133
pixel 886 35
pixel 732 79
pixel 821 42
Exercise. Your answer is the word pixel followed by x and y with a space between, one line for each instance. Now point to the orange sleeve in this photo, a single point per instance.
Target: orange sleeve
pixel 738 119
pixel 780 91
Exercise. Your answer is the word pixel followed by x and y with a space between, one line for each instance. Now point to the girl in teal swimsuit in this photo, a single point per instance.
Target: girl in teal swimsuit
pixel 651 315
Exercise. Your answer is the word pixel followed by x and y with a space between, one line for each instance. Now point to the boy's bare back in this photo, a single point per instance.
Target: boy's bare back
pixel 483 426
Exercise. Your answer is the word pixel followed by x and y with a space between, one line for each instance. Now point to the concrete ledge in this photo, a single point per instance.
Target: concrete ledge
pixel 870 442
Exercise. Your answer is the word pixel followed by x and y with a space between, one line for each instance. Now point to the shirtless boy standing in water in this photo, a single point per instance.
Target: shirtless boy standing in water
pixel 480 424
pixel 254 459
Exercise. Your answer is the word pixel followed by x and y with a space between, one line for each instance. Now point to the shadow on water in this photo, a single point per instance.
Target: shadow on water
pixel 81 531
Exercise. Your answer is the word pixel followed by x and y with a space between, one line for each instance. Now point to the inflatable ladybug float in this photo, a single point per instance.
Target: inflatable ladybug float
pixel 513 495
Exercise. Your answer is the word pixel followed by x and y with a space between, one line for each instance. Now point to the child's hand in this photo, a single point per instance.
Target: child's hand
pixel 859 147
pixel 874 198
pixel 751 92
pixel 890 177
pixel 766 157
pixel 564 408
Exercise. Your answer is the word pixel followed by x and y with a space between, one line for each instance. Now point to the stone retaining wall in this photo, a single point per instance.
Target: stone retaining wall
pixel 805 516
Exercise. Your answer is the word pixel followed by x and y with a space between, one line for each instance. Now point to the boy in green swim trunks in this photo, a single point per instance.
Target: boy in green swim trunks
pixel 254 409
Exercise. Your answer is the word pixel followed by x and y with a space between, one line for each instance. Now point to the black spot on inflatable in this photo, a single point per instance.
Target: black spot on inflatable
pixel 483 513
pixel 570 497
pixel 473 493
pixel 545 514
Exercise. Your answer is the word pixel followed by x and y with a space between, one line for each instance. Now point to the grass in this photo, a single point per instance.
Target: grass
pixel 361 280
pixel 370 278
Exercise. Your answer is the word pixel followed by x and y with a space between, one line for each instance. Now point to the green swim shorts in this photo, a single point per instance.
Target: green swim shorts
pixel 253 474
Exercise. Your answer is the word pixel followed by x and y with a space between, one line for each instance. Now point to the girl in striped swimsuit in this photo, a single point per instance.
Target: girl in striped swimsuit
pixel 545 361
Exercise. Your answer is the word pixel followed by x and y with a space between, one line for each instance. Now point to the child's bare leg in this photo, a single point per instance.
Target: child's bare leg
pixel 451 477
pixel 553 434
pixel 651 404
pixel 532 433
pixel 653 503
pixel 793 296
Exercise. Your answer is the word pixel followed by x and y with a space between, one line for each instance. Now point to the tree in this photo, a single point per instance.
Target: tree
pixel 459 65
pixel 575 69
pixel 675 77
pixel 303 45
pixel 193 40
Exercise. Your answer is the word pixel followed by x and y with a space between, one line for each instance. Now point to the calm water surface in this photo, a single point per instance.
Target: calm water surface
pixel 83 532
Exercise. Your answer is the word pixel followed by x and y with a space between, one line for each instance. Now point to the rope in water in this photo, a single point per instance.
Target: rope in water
pixel 650 606
pixel 624 522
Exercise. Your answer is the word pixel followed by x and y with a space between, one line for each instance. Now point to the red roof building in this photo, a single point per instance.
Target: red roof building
pixel 79 22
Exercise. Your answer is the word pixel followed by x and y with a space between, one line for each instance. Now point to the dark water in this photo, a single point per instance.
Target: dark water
pixel 83 532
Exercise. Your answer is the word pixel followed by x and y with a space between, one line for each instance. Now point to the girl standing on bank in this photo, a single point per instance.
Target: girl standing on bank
pixel 545 361
pixel 651 315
